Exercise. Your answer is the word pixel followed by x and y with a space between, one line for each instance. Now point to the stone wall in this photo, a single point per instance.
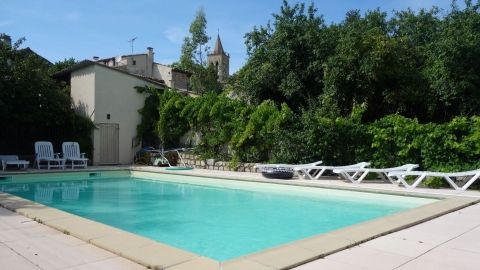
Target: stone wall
pixel 212 164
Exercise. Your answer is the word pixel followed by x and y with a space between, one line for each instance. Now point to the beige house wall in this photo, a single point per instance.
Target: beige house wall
pixel 164 73
pixel 98 91
pixel 140 66
pixel 115 95
pixel 172 79
pixel 83 91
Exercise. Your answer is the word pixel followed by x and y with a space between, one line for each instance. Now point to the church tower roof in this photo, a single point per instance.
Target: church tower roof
pixel 220 61
pixel 218 46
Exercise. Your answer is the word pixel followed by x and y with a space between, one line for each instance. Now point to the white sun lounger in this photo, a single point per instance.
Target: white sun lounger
pixel 472 176
pixel 13 160
pixel 314 172
pixel 44 152
pixel 346 173
pixel 71 152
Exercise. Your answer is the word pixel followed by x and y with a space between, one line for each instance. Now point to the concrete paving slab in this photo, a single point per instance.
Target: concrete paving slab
pixel 325 244
pixel 197 263
pixel 26 230
pixel 363 232
pixel 369 258
pixel 329 264
pixel 445 258
pixel 433 234
pixel 89 253
pixel 42 247
pixel 116 263
pixel 244 264
pixel 13 220
pixel 42 214
pixel 13 203
pixel 283 257
pixel 12 260
pixel 157 256
pixel 402 246
pixel 450 224
pixel 65 239
pixel 81 228
pixel 46 253
pixel 121 242
pixel 469 241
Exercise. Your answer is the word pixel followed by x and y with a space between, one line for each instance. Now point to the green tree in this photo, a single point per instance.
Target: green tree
pixel 33 106
pixel 193 56
pixel 286 57
pixel 194 46
pixel 199 37
pixel 422 64
pixel 61 65
pixel 370 66
pixel 453 64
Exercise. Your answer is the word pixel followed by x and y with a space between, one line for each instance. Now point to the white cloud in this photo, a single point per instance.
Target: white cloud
pixel 175 34
pixel 5 23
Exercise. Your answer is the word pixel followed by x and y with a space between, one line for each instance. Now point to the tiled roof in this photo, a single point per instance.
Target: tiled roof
pixel 86 63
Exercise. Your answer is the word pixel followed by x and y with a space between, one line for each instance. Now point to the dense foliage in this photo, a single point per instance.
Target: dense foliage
pixel 449 146
pixel 390 90
pixel 34 107
pixel 223 127
pixel 386 89
pixel 231 129
pixel 423 64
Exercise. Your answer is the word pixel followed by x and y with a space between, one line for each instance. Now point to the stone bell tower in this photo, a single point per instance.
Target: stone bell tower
pixel 220 60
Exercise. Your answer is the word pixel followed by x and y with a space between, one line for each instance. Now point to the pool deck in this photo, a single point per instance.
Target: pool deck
pixel 451 241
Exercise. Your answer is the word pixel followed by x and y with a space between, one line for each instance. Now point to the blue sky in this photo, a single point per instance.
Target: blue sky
pixel 59 29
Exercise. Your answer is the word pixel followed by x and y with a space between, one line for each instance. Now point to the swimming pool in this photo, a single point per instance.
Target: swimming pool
pixel 215 218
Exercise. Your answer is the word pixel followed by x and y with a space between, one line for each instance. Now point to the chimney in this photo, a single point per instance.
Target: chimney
pixel 6 39
pixel 149 68
pixel 96 58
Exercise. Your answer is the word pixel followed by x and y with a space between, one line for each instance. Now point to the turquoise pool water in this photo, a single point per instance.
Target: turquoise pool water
pixel 219 219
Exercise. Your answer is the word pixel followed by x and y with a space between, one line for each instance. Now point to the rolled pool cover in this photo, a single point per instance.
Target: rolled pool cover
pixel 278 173
pixel 178 168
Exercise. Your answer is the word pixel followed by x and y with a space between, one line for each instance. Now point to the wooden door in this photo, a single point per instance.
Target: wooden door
pixel 108 143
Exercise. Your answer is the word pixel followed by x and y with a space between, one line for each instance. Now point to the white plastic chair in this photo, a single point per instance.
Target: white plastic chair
pixel 71 152
pixel 314 172
pixel 44 152
pixel 472 176
pixel 383 173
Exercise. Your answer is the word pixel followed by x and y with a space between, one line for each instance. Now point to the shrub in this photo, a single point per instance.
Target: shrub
pixel 255 142
pixel 230 129
pixel 312 136
pixel 395 141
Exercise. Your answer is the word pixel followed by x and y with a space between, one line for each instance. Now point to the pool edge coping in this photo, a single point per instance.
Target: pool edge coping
pixel 156 255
